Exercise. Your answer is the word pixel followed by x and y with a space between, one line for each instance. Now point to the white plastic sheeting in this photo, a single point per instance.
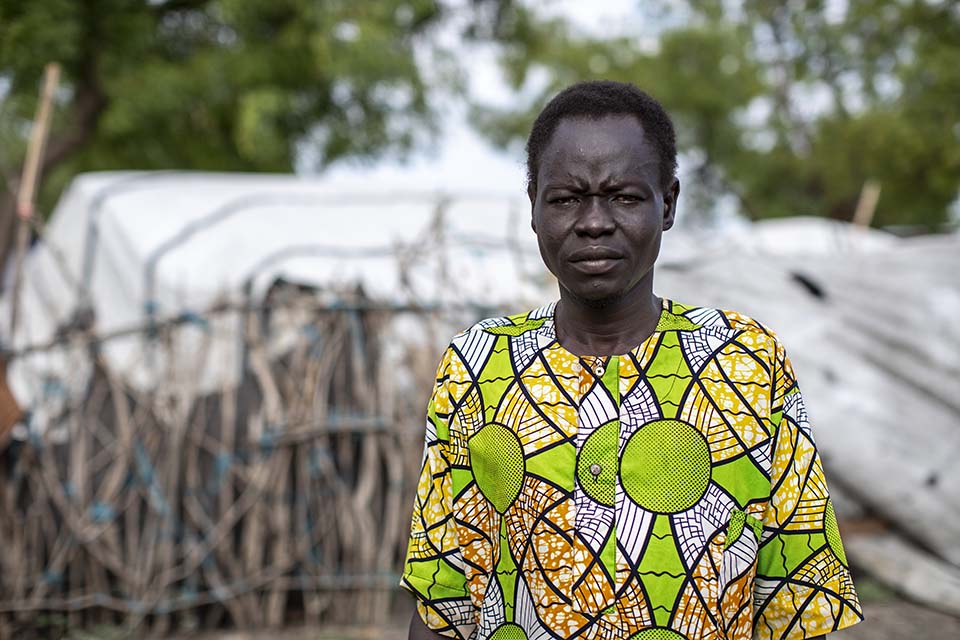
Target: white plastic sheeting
pixel 869 320
pixel 142 247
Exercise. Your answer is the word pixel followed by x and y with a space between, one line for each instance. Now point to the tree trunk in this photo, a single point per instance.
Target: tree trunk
pixel 8 231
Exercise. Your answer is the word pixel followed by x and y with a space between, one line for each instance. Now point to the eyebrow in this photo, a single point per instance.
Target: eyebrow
pixel 611 184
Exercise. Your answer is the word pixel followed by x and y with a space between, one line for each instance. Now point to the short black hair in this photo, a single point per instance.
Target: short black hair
pixel 596 99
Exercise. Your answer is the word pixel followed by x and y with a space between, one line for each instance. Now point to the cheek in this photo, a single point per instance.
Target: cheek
pixel 550 243
pixel 548 250
pixel 644 229
pixel 549 236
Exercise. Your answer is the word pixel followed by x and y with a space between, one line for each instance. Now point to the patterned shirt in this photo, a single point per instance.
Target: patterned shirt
pixel 671 492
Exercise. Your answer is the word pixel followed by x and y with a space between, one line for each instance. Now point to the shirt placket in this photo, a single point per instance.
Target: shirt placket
pixel 595 549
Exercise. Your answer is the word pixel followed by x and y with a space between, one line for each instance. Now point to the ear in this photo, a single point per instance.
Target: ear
pixel 670 197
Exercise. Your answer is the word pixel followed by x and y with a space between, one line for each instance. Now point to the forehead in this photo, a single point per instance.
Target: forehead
pixel 614 143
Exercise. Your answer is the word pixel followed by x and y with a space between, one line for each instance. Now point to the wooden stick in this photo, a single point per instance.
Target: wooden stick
pixel 27 191
pixel 867 204
pixel 299 508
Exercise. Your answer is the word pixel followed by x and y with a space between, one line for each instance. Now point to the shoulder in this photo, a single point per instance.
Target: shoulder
pixel 742 337
pixel 484 333
pixel 470 349
pixel 749 332
pixel 709 317
pixel 512 325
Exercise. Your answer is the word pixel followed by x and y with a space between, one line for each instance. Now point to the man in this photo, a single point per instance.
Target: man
pixel 617 465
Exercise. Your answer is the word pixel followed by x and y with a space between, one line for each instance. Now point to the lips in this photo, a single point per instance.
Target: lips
pixel 590 254
pixel 595 260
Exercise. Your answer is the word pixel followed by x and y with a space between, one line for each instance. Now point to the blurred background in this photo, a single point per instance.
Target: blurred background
pixel 237 235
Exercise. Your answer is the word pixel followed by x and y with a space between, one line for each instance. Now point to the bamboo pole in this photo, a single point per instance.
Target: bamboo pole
pixel 27 191
pixel 867 204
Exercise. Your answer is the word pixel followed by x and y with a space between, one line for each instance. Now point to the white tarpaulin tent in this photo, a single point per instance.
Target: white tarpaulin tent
pixel 140 247
pixel 870 320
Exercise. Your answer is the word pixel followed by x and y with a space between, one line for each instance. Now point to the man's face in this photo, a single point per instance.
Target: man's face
pixel 599 209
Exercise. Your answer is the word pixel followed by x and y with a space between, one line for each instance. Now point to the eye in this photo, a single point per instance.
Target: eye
pixel 626 198
pixel 564 201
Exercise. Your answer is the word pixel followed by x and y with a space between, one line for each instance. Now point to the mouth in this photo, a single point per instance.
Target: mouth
pixel 595 260
pixel 596 267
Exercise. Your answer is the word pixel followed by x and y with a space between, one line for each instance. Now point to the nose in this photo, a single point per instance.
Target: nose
pixel 594 219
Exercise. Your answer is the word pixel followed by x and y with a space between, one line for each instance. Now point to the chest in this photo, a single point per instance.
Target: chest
pixel 623 481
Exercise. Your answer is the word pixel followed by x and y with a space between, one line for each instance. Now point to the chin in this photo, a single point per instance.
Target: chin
pixel 597 299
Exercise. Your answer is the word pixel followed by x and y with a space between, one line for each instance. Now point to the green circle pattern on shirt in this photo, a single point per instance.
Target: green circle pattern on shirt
pixel 658 634
pixel 508 631
pixel 832 531
pixel 496 458
pixel 666 466
pixel 600 448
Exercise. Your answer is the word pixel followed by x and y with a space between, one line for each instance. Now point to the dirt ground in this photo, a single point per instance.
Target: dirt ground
pixel 885 620
pixel 901 621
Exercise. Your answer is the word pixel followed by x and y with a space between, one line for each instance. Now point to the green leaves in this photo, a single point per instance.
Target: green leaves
pixel 215 84
pixel 790 107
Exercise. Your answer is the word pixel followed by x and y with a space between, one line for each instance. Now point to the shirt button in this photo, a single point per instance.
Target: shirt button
pixel 600 370
pixel 595 470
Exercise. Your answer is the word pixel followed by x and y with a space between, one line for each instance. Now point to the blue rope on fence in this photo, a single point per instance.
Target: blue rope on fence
pixel 156 499
pixel 268 439
pixel 53 578
pixel 102 512
pixel 194 318
pixel 221 467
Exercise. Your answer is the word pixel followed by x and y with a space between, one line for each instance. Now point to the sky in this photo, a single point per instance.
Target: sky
pixel 461 160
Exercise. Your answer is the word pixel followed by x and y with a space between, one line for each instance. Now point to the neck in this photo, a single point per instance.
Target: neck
pixel 609 329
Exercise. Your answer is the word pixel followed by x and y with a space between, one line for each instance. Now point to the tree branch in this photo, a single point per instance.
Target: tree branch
pixel 776 22
pixel 89 103
pixel 171 6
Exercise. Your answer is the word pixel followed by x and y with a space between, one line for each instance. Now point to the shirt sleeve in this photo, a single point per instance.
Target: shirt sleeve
pixel 803 587
pixel 434 568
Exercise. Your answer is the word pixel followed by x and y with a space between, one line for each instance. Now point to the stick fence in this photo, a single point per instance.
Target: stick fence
pixel 284 498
